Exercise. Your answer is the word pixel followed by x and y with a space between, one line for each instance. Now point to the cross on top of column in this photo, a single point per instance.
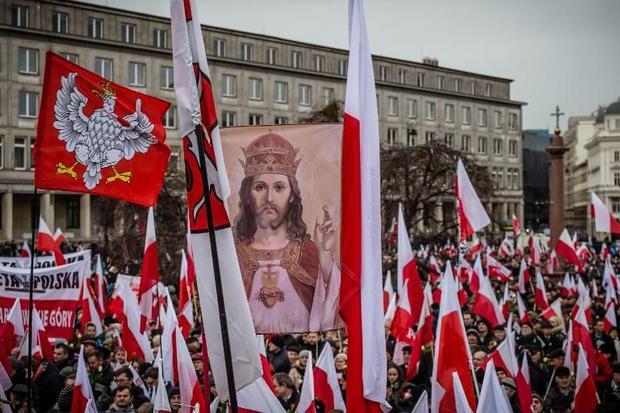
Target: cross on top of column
pixel 557 115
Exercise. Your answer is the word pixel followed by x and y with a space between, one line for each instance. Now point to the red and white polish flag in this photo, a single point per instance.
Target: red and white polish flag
pixel 59 237
pixel 361 304
pixel 25 250
pixel 582 338
pixel 306 395
pixel 161 404
pixel 554 311
pixel 585 389
pixel 264 361
pixel 462 402
pixel 100 286
pixel 524 276
pixel 326 386
pixel 41 344
pixel 149 274
pixel 186 309
pixel 82 392
pixel 504 356
pixel 12 330
pixel 604 221
pixel 423 336
pixel 504 304
pixel 516 227
pixel 476 276
pixel 610 281
pixel 568 348
pixel 134 340
pixel 604 251
pixel 492 395
pixel 388 291
pixel 486 306
pixel 524 317
pixel 407 268
pixel 191 393
pixel 540 293
pixel 524 387
pixel 566 249
pixel 471 213
pixel 496 269
pixel 46 243
pixel 610 321
pixel 452 355
pixel 90 313
pixel 465 269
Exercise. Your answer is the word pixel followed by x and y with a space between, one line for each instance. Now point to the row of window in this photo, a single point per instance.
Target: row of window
pixel 430 113
pixel 229 119
pixel 129 34
pixel 22 146
pixel 511 180
pixel 60 24
pixel 465 145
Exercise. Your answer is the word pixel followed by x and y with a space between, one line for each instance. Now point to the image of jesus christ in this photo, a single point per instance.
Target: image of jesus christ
pixel 290 278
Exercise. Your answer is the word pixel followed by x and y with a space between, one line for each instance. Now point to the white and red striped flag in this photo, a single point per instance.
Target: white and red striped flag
pixel 402 326
pixel 135 342
pixel 471 213
pixel 516 227
pixel 610 321
pixel 25 250
pixel 492 395
pixel 41 344
pixel 264 361
pixel 604 251
pixel 585 389
pixel 568 348
pixel 191 393
pixel 360 246
pixel 581 337
pixel 388 291
pixel 524 317
pixel 476 275
pixel 524 276
pixel 524 387
pixel 186 309
pixel 205 168
pixel 504 356
pixel 161 404
pixel 496 269
pixel 504 304
pixel 486 305
pixel 100 286
pixel 407 268
pixel 423 336
pixel 90 313
pixel 46 243
pixel 326 386
pixel 566 249
pixel 452 355
pixel 82 391
pixel 149 274
pixel 59 237
pixel 604 220
pixel 12 330
pixel 554 311
pixel 306 395
pixel 462 401
pixel 540 292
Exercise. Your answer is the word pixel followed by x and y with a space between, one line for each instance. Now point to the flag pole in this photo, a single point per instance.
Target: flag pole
pixel 200 138
pixel 33 220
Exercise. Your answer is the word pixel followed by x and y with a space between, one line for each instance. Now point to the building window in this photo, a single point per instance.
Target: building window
pixel 281 89
pixel 392 103
pixel 220 47
pixel 72 57
pixel 473 87
pixel 512 121
pixel 488 89
pixel 615 205
pixel 28 104
pixel 95 28
pixel 228 119
pixel 449 109
pixel 512 148
pixel 429 137
pixel 305 95
pixel 247 51
pixel 103 67
pixel 328 95
pixel 19 153
pixel 420 79
pixel 457 85
pixel 482 145
pixel 1 151
pixel 229 86
pixel 497 147
pixel 617 124
pixel 429 110
pixel 412 136
pixel 255 119
pixel 166 77
pixel 170 118
pixel 319 63
pixel 497 119
pixel 28 61
pixel 160 38
pixel 441 82
pixel 449 139
pixel 392 136
pixel 466 113
pixel 272 56
pixel 617 178
pixel 128 33
pixel 383 73
pixel 465 143
pixel 32 165
pixel 342 67
pixel 412 108
pixel 137 74
pixel 500 178
pixel 616 156
pixel 73 213
pixel 256 89
pixel 296 59
pixel 60 22
pixel 482 117
pixel 280 120
pixel 19 16
pixel 402 76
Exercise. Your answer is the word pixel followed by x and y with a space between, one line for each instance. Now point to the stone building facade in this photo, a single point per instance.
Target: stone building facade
pixel 257 79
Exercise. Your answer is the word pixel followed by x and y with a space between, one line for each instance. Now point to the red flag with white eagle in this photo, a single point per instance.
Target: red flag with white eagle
pixel 452 355
pixel 98 137
pixel 207 191
pixel 326 387
pixel 82 392
pixel 149 274
pixel 407 268
pixel 586 400
pixel 604 220
pixel 46 243
pixel 360 244
pixel 471 214
pixel 566 249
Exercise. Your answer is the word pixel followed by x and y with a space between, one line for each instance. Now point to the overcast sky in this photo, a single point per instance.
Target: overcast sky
pixel 564 52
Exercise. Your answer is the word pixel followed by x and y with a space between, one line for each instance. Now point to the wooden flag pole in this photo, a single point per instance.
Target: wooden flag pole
pixel 33 221
pixel 200 137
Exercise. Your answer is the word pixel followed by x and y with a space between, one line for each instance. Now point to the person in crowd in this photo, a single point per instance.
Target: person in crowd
pixel 123 400
pixel 278 358
pixel 561 395
pixel 285 391
pixel 299 368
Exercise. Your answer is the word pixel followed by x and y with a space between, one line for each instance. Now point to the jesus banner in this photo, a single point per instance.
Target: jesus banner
pixel 285 205
pixel 56 295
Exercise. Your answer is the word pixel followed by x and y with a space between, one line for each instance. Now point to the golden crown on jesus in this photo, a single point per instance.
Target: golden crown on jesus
pixel 270 154
pixel 106 91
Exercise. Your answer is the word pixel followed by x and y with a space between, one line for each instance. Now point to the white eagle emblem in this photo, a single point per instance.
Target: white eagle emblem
pixel 99 141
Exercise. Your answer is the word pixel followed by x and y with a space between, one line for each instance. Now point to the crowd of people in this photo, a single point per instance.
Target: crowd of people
pixel 121 384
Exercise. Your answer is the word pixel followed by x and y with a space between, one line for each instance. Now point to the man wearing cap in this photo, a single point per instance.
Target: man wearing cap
pixel 510 388
pixel 550 340
pixel 278 358
pixel 611 396
pixel 291 280
pixel 561 394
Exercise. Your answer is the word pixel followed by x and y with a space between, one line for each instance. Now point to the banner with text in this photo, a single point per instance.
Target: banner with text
pixel 56 294
pixel 44 261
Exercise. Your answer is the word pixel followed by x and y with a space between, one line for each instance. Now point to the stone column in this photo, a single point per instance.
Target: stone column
pixel 7 215
pixel 504 211
pixel 419 218
pixel 47 210
pixel 439 214
pixel 85 216
pixel 556 152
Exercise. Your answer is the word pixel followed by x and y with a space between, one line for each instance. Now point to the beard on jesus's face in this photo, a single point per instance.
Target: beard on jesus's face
pixel 269 216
